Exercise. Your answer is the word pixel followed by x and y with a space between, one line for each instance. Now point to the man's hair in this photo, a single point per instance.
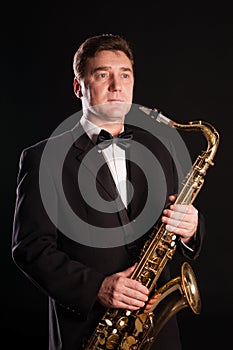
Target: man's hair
pixel 95 44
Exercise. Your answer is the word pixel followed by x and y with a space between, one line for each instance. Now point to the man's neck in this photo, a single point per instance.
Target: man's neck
pixel 114 126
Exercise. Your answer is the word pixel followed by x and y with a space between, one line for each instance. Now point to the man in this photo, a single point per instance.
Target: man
pixel 79 248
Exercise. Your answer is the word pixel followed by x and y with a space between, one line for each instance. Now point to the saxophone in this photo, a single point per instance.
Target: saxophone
pixel 121 329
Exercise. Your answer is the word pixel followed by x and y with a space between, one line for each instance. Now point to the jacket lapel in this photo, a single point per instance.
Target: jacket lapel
pixel 137 190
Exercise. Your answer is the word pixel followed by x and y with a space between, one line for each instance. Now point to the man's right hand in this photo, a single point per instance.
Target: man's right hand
pixel 119 290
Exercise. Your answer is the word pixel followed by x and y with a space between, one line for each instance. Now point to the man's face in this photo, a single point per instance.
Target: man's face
pixel 107 88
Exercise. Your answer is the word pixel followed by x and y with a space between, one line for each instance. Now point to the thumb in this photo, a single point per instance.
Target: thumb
pixel 128 272
pixel 172 197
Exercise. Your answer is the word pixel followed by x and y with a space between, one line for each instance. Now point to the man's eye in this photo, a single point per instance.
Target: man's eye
pixel 125 75
pixel 102 75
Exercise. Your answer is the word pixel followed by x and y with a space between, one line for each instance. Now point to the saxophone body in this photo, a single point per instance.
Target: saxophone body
pixel 121 329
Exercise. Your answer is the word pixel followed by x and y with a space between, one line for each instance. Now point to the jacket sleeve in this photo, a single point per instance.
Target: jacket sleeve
pixel 35 247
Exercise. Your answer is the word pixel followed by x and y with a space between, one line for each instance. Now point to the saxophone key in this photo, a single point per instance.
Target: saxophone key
pixel 112 341
pixel 101 335
pixel 129 343
pixel 122 323
pixel 108 322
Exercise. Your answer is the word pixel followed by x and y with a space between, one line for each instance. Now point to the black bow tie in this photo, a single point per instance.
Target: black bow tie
pixel 105 139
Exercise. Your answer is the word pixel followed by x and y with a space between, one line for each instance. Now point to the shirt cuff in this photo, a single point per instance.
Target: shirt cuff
pixel 186 246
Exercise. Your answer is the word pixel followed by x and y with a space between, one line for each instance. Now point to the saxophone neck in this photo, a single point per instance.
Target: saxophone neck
pixel 208 130
pixel 210 133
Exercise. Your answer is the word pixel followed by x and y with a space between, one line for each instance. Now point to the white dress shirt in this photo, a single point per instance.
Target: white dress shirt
pixel 114 156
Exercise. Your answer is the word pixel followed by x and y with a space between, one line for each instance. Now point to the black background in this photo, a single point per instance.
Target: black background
pixel 184 66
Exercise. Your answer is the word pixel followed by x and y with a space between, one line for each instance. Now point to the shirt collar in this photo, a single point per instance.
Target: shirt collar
pixel 91 129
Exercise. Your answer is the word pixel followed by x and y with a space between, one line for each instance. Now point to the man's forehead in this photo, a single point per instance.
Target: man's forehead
pixel 109 60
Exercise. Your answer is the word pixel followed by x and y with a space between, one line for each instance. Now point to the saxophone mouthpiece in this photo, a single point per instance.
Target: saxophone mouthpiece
pixel 158 116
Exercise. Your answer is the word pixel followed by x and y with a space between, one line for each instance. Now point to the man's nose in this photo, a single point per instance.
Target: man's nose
pixel 115 83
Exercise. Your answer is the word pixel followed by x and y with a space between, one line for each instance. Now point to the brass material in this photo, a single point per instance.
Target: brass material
pixel 129 330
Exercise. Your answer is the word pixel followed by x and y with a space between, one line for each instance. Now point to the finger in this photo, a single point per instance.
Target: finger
pixel 180 222
pixel 127 296
pixel 127 305
pixel 172 197
pixel 182 208
pixel 176 210
pixel 132 301
pixel 179 231
pixel 152 301
pixel 177 220
pixel 135 289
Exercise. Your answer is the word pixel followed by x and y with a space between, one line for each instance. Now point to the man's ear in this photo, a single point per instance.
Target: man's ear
pixel 77 88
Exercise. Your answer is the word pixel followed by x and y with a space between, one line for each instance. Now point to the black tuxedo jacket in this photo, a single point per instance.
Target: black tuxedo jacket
pixel 60 254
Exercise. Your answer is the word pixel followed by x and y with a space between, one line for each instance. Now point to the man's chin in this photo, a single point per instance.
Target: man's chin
pixel 113 110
